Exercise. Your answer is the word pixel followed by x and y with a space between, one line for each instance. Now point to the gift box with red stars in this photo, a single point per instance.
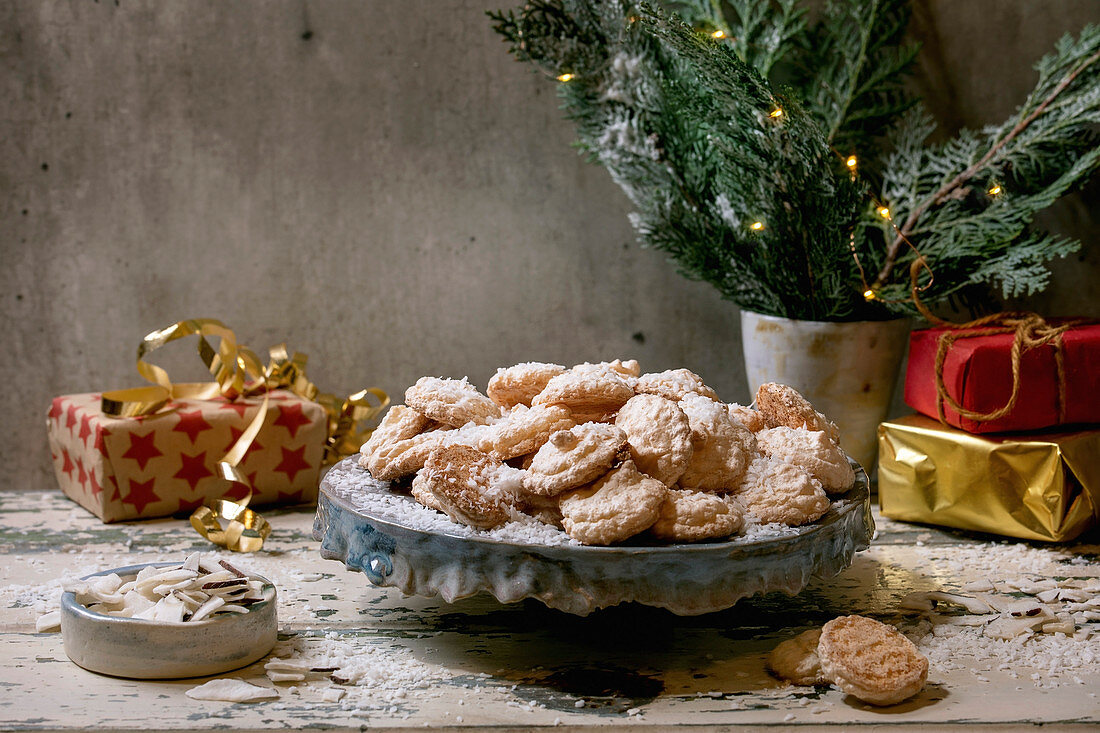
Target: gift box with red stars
pixel 122 468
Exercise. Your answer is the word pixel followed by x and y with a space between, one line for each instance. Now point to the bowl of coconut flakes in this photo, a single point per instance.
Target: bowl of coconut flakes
pixel 201 617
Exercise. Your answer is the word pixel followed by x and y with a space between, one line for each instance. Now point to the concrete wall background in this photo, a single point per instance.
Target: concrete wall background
pixel 376 183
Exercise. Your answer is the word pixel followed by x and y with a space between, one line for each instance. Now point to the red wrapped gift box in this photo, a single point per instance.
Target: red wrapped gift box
pixel 978 375
pixel 123 468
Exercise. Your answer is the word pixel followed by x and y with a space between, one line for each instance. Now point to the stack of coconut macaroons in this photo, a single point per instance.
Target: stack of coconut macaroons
pixel 606 453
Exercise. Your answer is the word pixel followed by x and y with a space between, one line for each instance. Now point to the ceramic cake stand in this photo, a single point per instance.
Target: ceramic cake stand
pixel 686 579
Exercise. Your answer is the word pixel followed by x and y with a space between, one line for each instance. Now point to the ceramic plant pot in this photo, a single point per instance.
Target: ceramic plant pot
pixel 846 369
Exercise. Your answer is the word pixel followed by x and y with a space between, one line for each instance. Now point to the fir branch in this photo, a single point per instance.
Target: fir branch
pixel 762 33
pixel 683 125
pixel 1077 62
pixel 852 65
pixel 1020 271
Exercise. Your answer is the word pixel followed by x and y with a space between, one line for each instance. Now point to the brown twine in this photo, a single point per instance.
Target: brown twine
pixel 1029 331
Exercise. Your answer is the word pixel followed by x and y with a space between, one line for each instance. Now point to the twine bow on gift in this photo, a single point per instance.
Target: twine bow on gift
pixel 238 372
pixel 1029 331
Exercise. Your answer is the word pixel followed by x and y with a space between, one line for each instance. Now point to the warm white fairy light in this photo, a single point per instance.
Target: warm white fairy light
pixel 565 77
pixel 776 113
pixel 718 34
pixel 757 226
pixel 995 189
pixel 884 212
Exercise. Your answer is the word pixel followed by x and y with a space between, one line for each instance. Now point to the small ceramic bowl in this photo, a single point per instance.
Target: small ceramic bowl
pixel 136 648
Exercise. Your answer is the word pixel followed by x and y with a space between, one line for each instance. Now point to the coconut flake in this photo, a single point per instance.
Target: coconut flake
pixel 332 694
pixel 171 594
pixel 231 690
pixel 48 622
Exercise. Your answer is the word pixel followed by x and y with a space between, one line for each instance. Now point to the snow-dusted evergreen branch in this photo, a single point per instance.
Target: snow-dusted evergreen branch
pixel 741 185
pixel 967 205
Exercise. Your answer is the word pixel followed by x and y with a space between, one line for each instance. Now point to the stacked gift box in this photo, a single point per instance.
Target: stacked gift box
pixel 986 456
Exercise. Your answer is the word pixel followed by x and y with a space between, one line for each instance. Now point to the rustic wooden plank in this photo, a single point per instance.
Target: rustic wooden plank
pixel 519 666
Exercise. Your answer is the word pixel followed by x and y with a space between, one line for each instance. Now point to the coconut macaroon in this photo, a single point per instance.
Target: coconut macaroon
pixel 721 448
pixel 673 384
pixel 469 486
pixel 773 491
pixel 871 660
pixel 399 423
pixel 616 507
pixel 811 450
pixel 784 405
pixel 572 458
pixel 658 434
pixel 628 370
pixel 399 458
pixel 525 429
pixel 692 516
pixel 591 394
pixel 518 384
pixel 796 660
pixel 453 402
pixel 747 417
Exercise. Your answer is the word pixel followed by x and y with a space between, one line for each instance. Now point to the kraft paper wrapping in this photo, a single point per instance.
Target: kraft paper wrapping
pixel 157 465
pixel 1035 487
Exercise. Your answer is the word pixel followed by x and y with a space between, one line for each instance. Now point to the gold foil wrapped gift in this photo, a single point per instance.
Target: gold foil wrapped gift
pixel 1043 486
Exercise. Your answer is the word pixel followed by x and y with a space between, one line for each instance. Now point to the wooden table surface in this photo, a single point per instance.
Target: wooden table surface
pixel 478 663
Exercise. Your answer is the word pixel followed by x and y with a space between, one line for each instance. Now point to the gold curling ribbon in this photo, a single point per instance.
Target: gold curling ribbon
pixel 237 371
pixel 344 415
pixel 1029 331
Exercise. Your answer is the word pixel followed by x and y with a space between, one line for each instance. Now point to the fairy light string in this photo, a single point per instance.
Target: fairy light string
pixel 850 162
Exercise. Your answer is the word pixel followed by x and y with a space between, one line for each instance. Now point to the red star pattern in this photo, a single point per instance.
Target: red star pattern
pixel 56 409
pixel 100 434
pixel 141 495
pixel 93 484
pixel 291 497
pixel 117 496
pixel 191 423
pixel 193 469
pixel 291 417
pixel 82 475
pixel 237 491
pixel 68 467
pixel 293 462
pixel 188 506
pixel 142 448
pixel 239 406
pixel 70 415
pixel 234 434
pixel 85 428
